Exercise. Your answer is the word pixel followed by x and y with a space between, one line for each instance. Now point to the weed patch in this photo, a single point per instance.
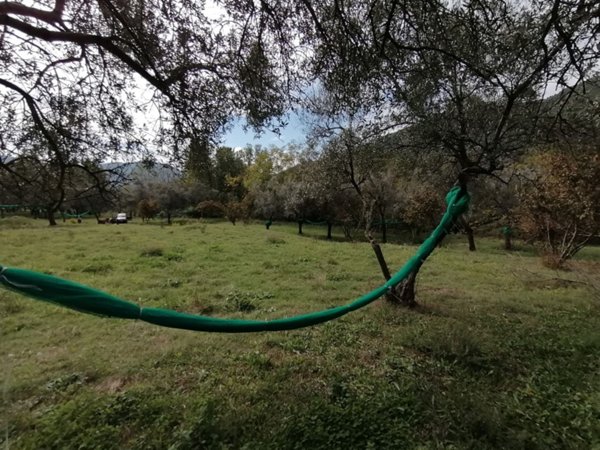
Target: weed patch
pixel 275 240
pixel 10 306
pixel 152 252
pixel 174 257
pixel 241 301
pixel 98 268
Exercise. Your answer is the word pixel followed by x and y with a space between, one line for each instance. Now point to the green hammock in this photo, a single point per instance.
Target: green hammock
pixel 88 300
pixel 75 216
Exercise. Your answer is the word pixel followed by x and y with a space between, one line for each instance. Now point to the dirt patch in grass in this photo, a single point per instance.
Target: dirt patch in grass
pixel 111 385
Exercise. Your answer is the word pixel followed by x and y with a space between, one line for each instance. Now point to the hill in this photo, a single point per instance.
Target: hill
pixel 142 172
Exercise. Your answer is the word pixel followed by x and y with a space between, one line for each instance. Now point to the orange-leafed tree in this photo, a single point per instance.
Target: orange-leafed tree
pixel 560 201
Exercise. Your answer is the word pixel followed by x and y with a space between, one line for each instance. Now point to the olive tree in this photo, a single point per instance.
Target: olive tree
pixel 466 80
pixel 109 63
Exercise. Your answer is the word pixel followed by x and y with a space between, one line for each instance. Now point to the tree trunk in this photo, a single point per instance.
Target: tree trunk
pixel 300 224
pixel 414 233
pixel 347 231
pixel 381 260
pixel 169 218
pixel 507 242
pixel 471 239
pixel 51 220
pixel 404 293
pixel 470 235
pixel 390 296
pixel 329 227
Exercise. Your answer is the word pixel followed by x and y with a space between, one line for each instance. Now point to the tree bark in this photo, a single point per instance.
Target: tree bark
pixel 471 238
pixel 169 218
pixel 51 220
pixel 507 242
pixel 392 296
pixel 470 234
pixel 414 233
pixel 300 224
pixel 381 260
pixel 404 293
pixel 329 227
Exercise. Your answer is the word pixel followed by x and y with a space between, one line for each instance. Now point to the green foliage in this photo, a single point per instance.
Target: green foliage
pixel 61 426
pixel 260 172
pixel 65 382
pixel 241 301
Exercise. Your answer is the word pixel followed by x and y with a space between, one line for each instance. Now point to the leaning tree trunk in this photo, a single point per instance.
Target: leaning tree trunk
pixel 381 259
pixel 404 293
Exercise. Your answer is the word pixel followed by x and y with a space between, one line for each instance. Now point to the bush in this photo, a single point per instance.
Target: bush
pixel 235 210
pixel 560 202
pixel 147 209
pixel 211 208
pixel 15 222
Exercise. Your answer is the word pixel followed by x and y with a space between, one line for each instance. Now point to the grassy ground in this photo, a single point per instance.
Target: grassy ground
pixel 503 353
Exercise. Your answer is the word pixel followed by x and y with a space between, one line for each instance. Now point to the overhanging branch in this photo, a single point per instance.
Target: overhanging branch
pixel 18 9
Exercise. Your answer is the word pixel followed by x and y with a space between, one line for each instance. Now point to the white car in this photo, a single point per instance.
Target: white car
pixel 121 218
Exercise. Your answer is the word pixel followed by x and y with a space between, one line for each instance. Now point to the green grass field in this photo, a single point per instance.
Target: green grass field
pixel 502 352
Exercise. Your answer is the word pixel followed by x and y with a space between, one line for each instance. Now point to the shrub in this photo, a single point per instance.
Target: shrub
pixel 235 210
pixel 275 241
pixel 147 209
pixel 560 202
pixel 245 301
pixel 211 208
